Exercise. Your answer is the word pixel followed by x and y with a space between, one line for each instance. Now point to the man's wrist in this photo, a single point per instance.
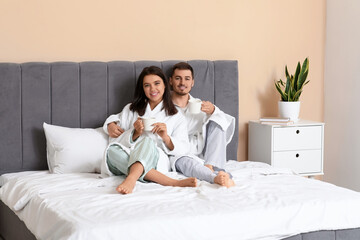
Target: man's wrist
pixel 111 123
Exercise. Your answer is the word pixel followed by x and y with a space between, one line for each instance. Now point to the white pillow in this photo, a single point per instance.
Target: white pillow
pixel 74 150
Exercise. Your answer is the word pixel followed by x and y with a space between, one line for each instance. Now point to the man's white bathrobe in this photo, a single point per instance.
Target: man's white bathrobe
pixel 196 124
pixel 176 129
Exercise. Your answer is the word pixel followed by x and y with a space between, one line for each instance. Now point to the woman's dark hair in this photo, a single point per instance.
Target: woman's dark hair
pixel 182 66
pixel 141 100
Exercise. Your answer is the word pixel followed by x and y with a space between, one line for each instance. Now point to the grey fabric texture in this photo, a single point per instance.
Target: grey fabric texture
pixel 329 235
pixel 11 227
pixel 83 95
pixel 296 237
pixel 344 234
pixel 348 234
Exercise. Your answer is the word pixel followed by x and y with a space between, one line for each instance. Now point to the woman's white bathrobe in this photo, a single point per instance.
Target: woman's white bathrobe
pixel 196 124
pixel 176 129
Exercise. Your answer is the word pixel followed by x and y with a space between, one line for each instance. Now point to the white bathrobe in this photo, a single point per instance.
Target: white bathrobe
pixel 196 124
pixel 176 129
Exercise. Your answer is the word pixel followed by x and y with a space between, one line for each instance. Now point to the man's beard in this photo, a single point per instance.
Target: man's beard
pixel 180 93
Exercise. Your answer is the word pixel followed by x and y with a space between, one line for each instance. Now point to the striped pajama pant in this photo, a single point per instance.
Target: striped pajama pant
pixel 145 152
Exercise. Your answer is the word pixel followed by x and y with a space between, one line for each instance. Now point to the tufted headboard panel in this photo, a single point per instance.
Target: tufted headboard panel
pixel 83 95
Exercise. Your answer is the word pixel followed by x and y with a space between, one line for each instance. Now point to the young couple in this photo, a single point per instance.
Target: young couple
pixel 144 155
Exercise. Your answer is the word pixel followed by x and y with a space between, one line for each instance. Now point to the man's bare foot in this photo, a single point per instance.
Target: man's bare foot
pixel 223 179
pixel 187 182
pixel 210 167
pixel 127 186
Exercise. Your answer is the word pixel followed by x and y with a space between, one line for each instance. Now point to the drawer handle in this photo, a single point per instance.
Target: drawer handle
pixel 297 155
pixel 297 131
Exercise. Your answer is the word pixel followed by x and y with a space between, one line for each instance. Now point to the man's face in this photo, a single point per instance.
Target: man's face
pixel 182 81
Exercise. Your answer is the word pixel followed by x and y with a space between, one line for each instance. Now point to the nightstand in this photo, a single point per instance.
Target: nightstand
pixel 299 146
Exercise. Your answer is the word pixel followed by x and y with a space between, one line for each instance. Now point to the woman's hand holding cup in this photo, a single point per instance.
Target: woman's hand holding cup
pixel 148 123
pixel 139 128
pixel 161 130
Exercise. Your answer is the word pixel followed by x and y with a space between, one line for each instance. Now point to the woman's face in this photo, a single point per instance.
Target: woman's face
pixel 154 88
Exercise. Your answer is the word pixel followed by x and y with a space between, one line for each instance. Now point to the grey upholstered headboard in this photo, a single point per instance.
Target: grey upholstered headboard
pixel 83 95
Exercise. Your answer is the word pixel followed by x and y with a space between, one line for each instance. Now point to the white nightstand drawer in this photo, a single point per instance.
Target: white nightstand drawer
pixel 293 138
pixel 308 161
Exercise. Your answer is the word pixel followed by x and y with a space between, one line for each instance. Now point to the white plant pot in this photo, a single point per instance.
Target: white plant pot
pixel 289 110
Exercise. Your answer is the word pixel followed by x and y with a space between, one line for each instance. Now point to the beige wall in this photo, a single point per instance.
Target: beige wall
pixel 263 35
pixel 342 111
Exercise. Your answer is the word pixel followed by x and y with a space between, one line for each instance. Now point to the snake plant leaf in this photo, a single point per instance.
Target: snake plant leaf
pixel 279 90
pixel 283 96
pixel 286 72
pixel 282 83
pixel 300 91
pixel 303 73
pixel 292 89
pixel 302 79
pixel 297 72
pixel 294 83
pixel 297 95
pixel 289 91
pixel 287 84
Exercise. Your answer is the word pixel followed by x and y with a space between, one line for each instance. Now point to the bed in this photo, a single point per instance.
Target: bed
pixel 266 203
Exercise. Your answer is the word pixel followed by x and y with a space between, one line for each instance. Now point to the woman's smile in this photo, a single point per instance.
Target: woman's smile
pixel 154 89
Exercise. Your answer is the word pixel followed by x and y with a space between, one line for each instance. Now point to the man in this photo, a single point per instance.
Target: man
pixel 209 132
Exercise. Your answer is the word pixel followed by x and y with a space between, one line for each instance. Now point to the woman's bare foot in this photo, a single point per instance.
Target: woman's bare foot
pixel 127 186
pixel 210 167
pixel 223 179
pixel 187 182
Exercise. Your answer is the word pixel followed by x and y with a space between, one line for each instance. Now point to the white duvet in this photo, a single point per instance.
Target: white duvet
pixel 266 203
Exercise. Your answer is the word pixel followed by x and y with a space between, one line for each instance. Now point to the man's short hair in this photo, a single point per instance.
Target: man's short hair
pixel 182 66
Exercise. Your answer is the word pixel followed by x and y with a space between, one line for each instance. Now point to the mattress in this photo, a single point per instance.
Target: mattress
pixel 266 203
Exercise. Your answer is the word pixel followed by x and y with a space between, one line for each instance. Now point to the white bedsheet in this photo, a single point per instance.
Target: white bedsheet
pixel 266 203
pixel 7 176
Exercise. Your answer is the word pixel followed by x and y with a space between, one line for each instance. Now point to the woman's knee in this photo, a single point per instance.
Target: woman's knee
pixel 146 141
pixel 117 160
pixel 145 152
pixel 115 153
pixel 145 148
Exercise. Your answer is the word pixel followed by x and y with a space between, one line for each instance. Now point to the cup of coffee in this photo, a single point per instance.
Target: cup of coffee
pixel 148 122
pixel 195 105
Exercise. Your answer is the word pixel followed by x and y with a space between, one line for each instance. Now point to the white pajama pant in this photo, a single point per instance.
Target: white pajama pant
pixel 214 154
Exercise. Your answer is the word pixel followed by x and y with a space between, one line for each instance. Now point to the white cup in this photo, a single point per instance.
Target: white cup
pixel 148 121
pixel 195 105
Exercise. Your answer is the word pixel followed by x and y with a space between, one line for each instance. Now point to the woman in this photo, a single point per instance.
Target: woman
pixel 143 155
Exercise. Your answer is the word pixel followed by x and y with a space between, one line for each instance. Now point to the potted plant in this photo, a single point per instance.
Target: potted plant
pixel 290 91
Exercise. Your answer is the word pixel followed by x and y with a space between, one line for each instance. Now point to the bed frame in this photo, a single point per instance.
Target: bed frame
pixel 83 95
